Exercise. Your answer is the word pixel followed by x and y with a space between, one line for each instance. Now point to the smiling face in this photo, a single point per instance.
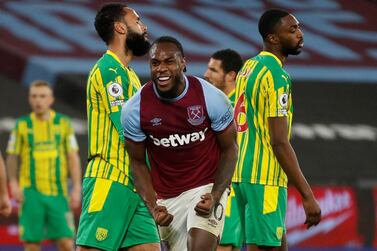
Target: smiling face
pixel 290 36
pixel 167 65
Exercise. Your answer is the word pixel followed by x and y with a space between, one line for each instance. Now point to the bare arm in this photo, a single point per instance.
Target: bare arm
pixel 75 173
pixel 287 159
pixel 228 157
pixel 227 141
pixel 143 182
pixel 12 164
pixel 5 205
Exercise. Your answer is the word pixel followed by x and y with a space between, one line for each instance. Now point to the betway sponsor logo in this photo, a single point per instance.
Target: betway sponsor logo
pixel 332 202
pixel 175 140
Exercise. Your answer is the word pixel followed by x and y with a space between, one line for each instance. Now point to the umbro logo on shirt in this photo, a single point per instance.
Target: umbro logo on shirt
pixel 156 121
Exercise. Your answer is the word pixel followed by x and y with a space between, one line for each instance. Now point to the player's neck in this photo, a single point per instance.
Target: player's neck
pixel 124 55
pixel 277 52
pixel 228 88
pixel 43 116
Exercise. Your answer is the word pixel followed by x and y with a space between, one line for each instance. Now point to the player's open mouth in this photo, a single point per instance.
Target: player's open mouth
pixel 163 80
pixel 301 44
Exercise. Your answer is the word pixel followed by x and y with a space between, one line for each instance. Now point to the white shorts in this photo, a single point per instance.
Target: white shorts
pixel 185 218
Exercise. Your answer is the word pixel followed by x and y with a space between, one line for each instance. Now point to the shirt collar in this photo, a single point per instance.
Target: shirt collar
pixel 266 53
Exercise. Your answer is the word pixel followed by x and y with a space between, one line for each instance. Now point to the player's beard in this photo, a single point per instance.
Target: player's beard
pixel 294 51
pixel 137 43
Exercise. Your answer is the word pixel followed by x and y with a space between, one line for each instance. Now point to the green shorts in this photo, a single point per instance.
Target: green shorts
pixel 113 217
pixel 262 209
pixel 45 217
pixel 232 234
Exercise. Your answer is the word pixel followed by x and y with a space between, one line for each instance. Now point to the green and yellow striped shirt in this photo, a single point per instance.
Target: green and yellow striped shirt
pixel 110 84
pixel 42 146
pixel 263 90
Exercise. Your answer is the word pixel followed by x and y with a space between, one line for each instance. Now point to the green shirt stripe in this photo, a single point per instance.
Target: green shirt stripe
pixel 110 84
pixel 30 140
pixel 265 89
pixel 42 146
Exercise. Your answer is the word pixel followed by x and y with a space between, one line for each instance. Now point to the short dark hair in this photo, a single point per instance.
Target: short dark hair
pixel 105 19
pixel 230 60
pixel 169 39
pixel 269 20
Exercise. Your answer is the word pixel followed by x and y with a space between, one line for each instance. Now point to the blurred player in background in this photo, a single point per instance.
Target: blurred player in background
pixel 5 205
pixel 222 70
pixel 223 67
pixel 44 146
pixel 187 127
pixel 113 215
pixel 266 160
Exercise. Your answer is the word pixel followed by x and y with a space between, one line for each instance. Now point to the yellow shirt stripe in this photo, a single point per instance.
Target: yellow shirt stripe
pixel 110 84
pixel 42 146
pixel 263 90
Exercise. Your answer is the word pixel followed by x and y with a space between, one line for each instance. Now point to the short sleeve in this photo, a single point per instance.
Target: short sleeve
pixel 219 108
pixel 278 95
pixel 70 138
pixel 130 119
pixel 114 88
pixel 15 140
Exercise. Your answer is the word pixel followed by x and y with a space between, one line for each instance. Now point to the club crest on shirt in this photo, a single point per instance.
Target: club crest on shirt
pixel 115 90
pixel 195 114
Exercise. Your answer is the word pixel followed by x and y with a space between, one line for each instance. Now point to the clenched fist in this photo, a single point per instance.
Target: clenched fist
pixel 161 216
pixel 205 205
